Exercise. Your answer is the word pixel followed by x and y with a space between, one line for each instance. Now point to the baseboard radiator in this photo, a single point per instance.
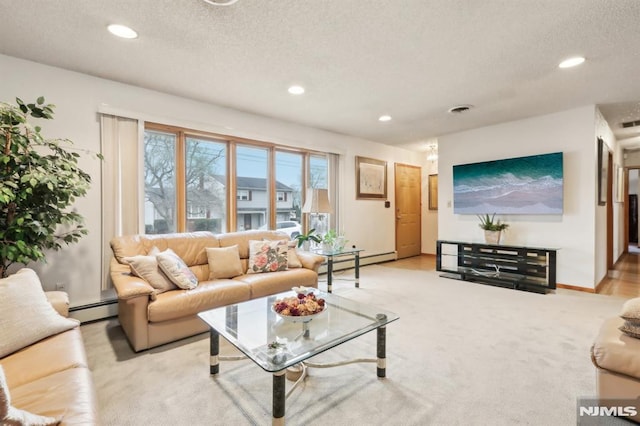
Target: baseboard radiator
pixel 95 311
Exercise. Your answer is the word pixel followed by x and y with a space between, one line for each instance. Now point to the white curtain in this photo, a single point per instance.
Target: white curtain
pixel 120 188
pixel 334 189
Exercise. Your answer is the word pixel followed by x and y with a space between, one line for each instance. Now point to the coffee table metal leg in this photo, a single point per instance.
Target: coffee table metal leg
pixel 329 273
pixel 382 357
pixel 357 266
pixel 279 397
pixel 214 342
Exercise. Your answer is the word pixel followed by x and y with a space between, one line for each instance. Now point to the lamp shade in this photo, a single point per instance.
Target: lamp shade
pixel 317 201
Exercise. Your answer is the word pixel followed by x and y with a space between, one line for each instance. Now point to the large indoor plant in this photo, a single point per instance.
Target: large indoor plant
pixel 39 182
pixel 492 228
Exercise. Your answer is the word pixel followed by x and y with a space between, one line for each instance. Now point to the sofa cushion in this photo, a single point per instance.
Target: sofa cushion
pixel 176 270
pixel 615 351
pixel 224 262
pixel 27 316
pixel 147 268
pixel 190 246
pixel 9 415
pixel 61 352
pixel 267 256
pixel 631 310
pixel 208 295
pixel 276 282
pixel 68 394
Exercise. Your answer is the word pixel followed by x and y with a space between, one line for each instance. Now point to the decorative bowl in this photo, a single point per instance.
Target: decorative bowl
pixel 300 318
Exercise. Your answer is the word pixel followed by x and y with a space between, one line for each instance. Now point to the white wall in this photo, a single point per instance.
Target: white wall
pixel 79 97
pixel 571 132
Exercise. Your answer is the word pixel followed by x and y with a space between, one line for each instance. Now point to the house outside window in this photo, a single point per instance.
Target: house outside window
pixel 243 195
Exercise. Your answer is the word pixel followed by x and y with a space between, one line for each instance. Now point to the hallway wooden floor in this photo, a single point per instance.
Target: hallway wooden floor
pixel 624 279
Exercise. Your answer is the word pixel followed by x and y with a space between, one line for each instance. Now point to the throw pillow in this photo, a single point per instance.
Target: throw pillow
pixel 146 267
pixel 10 415
pixel 292 253
pixel 26 314
pixel 630 329
pixel 631 311
pixel 224 262
pixel 267 256
pixel 176 270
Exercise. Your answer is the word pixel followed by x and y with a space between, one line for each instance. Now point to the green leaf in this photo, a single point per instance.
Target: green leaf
pixel 40 100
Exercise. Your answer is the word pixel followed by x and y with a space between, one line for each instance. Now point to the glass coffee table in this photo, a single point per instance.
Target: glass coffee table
pixel 277 344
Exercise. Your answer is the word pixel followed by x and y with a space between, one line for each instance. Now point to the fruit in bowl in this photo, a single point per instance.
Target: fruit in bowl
pixel 300 305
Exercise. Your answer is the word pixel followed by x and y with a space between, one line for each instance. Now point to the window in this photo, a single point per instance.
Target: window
pixel 319 178
pixel 188 186
pixel 289 186
pixel 252 179
pixel 159 182
pixel 205 182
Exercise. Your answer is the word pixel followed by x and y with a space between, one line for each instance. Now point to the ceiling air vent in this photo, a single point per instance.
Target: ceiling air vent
pixel 631 124
pixel 459 109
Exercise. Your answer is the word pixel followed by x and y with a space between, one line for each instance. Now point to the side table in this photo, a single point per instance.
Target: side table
pixel 330 255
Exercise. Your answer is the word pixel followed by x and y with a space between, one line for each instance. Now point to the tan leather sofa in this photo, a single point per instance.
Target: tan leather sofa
pixel 616 357
pixel 173 314
pixel 51 377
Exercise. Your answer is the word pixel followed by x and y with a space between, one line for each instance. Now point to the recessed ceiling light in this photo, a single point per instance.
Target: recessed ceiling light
pixel 571 62
pixel 122 31
pixel 384 118
pixel 296 90
pixel 220 2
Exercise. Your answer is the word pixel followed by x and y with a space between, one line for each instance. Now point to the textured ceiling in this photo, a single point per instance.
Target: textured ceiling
pixel 357 59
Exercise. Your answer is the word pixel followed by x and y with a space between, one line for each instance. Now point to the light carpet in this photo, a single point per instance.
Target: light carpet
pixel 460 354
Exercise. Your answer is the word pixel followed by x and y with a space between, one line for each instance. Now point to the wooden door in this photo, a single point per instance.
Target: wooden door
pixel 408 189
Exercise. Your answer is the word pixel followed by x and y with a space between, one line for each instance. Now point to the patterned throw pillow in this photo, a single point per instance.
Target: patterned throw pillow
pixel 267 256
pixel 631 311
pixel 176 270
pixel 630 329
pixel 146 267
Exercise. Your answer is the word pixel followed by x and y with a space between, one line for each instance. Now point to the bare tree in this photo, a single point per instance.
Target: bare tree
pixel 160 173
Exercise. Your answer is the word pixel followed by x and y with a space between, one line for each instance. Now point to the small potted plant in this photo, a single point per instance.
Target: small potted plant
pixel 304 239
pixel 329 240
pixel 492 229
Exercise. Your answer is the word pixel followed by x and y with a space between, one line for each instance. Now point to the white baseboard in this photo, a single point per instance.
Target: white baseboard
pixel 95 312
pixel 347 262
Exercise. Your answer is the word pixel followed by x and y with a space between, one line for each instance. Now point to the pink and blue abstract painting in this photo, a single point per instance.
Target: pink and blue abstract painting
pixel 523 185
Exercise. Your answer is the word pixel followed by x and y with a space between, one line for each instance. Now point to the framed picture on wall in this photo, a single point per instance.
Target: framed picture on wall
pixel 433 192
pixel 603 170
pixel 371 179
